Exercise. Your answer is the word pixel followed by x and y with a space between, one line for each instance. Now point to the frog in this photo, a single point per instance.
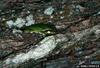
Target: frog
pixel 40 28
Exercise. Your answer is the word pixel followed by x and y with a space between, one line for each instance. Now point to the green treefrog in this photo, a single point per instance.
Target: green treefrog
pixel 44 29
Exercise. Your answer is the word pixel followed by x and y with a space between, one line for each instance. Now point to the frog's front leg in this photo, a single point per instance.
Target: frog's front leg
pixel 42 34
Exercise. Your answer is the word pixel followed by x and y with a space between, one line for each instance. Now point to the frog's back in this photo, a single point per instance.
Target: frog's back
pixel 38 27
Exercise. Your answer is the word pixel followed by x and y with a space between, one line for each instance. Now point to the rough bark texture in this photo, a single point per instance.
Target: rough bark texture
pixel 77 40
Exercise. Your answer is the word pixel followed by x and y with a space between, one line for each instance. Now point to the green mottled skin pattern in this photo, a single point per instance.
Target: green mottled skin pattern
pixel 45 29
